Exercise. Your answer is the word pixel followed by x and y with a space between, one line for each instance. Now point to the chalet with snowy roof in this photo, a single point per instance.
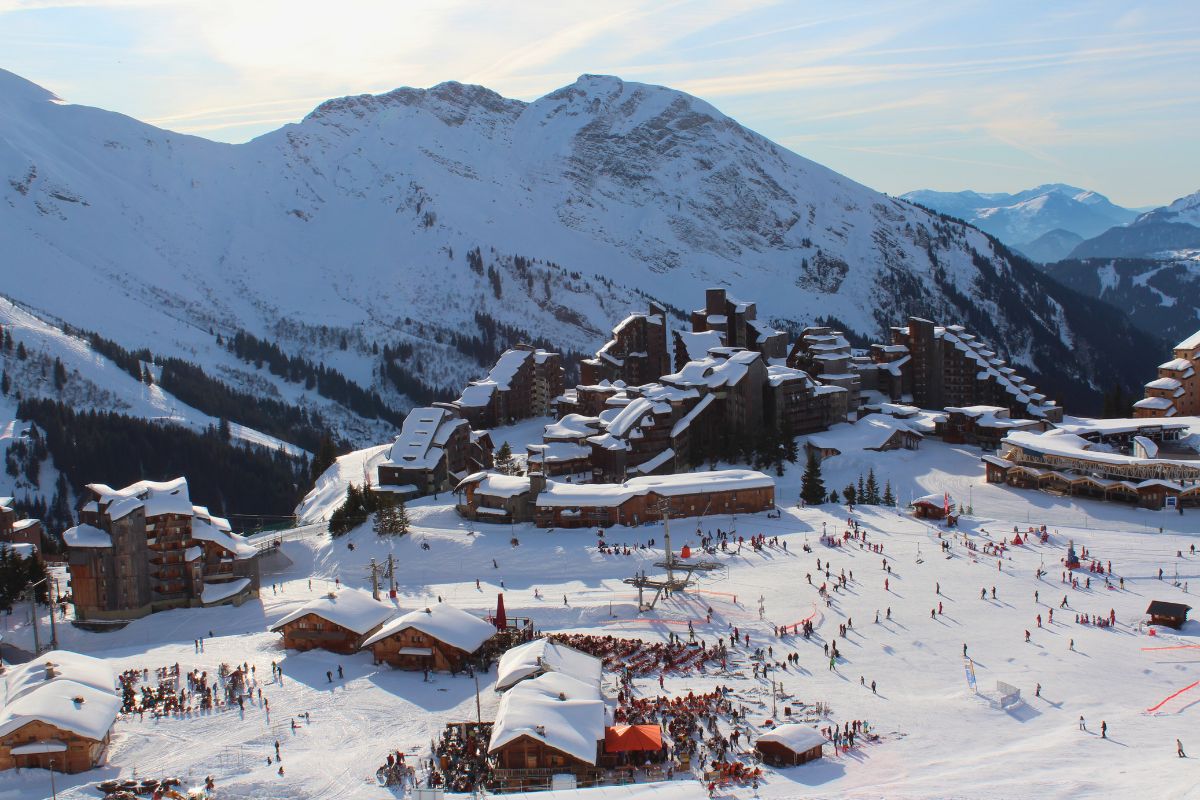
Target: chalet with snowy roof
pixel 933 506
pixel 736 322
pixel 14 531
pixel 147 548
pixel 790 745
pixel 493 497
pixel 339 622
pixel 877 432
pixel 431 454
pixel 1176 390
pixel 825 354
pixel 523 383
pixel 564 449
pixel 982 426
pixel 438 638
pixel 636 354
pixel 57 713
pixel 548 725
pixel 1144 461
pixel 639 500
pixel 542 656
pixel 942 366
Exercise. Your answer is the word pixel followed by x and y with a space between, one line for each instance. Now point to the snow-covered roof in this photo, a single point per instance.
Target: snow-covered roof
pixel 84 535
pixel 572 426
pixel 614 494
pixel 495 484
pixel 1178 365
pixel 541 656
pixel 1082 426
pixel 57 665
pixel 216 592
pixel 778 374
pixel 557 452
pixel 422 436
pixel 156 498
pixel 353 609
pixel 657 461
pixel 869 433
pixel 697 344
pixel 1063 443
pixel 443 622
pixel 564 713
pixel 6 503
pixel 1190 343
pixel 1164 383
pixel 630 415
pixel 795 737
pixel 939 500
pixel 66 705
pixel 681 425
pixel 714 370
pixel 1156 403
pixel 205 531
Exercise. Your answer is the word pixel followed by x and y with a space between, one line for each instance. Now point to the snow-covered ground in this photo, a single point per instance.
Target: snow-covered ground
pixel 938 738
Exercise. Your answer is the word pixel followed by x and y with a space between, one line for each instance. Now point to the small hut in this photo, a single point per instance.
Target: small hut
pixel 1172 615
pixel 789 745
pixel 933 506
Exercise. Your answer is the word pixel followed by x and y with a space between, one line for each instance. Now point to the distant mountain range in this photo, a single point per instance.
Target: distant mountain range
pixel 1055 221
pixel 1044 223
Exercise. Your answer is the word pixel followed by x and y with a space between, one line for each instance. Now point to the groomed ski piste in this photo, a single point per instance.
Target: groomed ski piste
pixel 937 736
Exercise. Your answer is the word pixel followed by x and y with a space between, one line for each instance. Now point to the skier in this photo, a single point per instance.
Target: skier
pixel 1103 729
pixel 1082 724
pixel 1179 749
pixel 964 649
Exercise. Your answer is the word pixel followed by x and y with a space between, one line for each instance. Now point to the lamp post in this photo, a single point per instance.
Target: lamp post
pixel 53 791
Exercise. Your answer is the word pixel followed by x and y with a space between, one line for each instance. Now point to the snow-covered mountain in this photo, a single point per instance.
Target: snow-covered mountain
pixel 414 225
pixel 1157 233
pixel 1022 218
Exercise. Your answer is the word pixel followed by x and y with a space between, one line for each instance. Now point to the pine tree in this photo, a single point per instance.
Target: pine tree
pixel 872 488
pixel 833 497
pixel 325 456
pixel 21 354
pixel 392 517
pixel 860 492
pixel 849 495
pixel 5 384
pixel 504 459
pixel 889 499
pixel 812 488
pixel 60 374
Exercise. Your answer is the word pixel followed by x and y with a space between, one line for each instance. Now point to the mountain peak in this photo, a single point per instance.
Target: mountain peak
pixel 15 89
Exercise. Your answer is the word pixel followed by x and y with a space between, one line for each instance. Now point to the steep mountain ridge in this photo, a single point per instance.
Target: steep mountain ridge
pixel 1154 234
pixel 411 219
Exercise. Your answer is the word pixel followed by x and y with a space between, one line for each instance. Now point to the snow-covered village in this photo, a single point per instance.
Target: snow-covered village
pixel 587 445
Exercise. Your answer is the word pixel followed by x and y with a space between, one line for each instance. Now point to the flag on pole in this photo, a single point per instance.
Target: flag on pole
pixel 946 504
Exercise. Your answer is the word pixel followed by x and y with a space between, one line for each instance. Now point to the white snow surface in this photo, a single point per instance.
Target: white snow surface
pixel 938 738
pixel 443 622
pixel 353 609
pixel 542 656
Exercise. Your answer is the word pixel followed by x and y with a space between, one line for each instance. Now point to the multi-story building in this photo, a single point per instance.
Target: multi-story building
pixel 146 548
pixel 436 449
pixel 636 354
pixel 15 531
pixel 942 366
pixel 737 323
pixel 525 382
pixel 826 354
pixel 1176 390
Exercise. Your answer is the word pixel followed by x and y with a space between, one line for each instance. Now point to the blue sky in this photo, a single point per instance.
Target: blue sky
pixel 993 96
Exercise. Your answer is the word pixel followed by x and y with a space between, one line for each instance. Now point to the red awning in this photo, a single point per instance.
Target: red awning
pixel 629 738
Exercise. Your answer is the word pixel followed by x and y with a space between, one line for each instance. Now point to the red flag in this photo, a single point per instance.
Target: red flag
pixel 946 504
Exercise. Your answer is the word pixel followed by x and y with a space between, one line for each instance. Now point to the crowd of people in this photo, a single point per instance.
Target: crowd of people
pixel 639 658
pixel 460 758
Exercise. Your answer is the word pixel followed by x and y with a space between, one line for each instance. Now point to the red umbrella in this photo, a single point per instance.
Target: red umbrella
pixel 501 617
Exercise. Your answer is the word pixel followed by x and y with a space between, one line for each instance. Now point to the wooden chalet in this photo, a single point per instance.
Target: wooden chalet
pixel 933 506
pixel 338 622
pixel 546 726
pixel 438 638
pixel 640 500
pixel 790 745
pixel 1172 615
pixel 58 713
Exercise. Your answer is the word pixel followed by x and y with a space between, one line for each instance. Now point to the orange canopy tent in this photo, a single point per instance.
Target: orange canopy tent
pixel 630 738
